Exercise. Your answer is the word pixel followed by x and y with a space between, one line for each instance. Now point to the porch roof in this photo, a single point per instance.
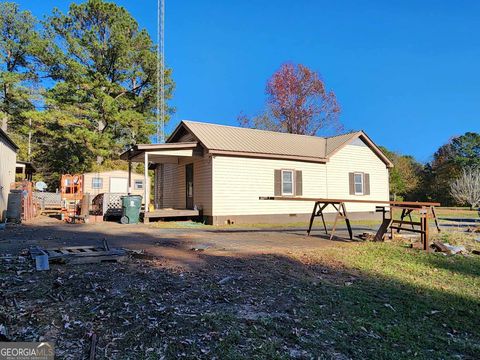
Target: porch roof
pixel 160 153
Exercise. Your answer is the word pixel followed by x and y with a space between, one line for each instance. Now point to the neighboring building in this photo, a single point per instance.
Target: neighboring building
pixel 8 159
pixel 223 170
pixel 25 170
pixel 114 181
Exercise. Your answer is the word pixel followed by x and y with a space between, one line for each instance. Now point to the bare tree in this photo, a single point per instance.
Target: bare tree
pixel 466 189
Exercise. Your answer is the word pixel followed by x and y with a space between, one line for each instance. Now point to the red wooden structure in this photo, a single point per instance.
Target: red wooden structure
pixel 29 209
pixel 71 192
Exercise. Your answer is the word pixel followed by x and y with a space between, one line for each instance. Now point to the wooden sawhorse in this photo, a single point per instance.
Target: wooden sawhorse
pixel 341 214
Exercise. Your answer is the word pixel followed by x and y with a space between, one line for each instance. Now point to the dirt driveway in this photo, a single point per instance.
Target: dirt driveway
pixel 184 302
pixel 179 247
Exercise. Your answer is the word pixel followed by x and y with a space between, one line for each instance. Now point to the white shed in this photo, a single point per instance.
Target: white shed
pixel 113 181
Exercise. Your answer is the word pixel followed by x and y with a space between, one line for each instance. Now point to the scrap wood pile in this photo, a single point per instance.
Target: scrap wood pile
pixel 75 255
pixel 473 229
pixel 437 246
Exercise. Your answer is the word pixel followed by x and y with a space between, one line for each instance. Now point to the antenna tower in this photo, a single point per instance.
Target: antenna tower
pixel 160 124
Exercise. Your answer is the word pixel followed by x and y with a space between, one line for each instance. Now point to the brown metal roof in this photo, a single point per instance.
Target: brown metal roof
pixel 250 142
pixel 253 141
pixel 238 141
pixel 336 142
pixel 140 149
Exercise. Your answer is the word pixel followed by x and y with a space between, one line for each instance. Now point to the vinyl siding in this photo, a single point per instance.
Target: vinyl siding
pixel 354 158
pixel 174 184
pixel 239 182
pixel 105 176
pixel 8 158
pixel 202 185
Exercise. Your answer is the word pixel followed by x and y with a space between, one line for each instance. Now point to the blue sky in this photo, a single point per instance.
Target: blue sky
pixel 406 72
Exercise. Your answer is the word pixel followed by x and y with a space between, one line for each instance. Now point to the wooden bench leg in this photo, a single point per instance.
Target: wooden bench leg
pixel 337 216
pixel 320 213
pixel 347 221
pixel 411 220
pixel 423 234
pixel 402 216
pixel 432 208
pixel 312 217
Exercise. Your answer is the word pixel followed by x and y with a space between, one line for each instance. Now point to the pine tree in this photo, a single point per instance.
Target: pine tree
pixel 104 97
pixel 20 43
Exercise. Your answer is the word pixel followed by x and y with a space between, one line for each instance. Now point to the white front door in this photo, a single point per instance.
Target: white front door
pixel 118 185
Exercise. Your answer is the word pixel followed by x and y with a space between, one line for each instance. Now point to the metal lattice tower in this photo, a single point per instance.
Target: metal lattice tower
pixel 160 123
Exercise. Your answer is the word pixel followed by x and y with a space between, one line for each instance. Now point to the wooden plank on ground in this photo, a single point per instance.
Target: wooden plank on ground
pixel 164 213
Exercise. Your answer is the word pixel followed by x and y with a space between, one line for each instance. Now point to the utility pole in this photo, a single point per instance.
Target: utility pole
pixel 160 125
pixel 29 139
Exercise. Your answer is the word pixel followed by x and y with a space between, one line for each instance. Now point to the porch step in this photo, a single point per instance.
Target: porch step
pixel 169 213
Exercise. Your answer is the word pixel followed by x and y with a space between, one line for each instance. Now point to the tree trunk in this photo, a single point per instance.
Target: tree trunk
pixel 101 126
pixel 4 122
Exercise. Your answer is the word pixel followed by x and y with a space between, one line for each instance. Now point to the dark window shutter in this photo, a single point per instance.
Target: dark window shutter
pixel 366 184
pixel 298 183
pixel 351 183
pixel 278 183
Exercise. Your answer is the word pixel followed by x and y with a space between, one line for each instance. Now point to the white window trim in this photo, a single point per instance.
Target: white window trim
pixel 362 183
pixel 135 184
pixel 101 183
pixel 293 183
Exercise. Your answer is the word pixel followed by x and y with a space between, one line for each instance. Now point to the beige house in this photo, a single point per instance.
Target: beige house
pixel 221 172
pixel 8 158
pixel 114 181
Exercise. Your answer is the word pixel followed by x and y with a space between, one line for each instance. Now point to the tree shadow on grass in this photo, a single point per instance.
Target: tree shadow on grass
pixel 237 306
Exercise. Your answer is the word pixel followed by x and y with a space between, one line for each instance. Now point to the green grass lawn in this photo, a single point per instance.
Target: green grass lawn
pixel 360 301
pixel 405 303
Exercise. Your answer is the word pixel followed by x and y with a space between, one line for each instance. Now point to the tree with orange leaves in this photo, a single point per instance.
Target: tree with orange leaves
pixel 297 103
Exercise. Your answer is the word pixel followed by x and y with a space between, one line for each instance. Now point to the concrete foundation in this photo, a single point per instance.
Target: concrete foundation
pixel 284 218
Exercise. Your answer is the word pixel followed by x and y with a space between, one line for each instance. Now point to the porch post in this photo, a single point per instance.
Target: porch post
pixel 145 183
pixel 129 176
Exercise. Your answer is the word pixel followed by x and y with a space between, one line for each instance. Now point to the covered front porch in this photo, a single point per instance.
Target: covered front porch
pixel 166 203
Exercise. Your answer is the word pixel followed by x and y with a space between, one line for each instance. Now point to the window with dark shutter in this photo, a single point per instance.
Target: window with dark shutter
pixel 287 183
pixel 298 183
pixel 358 183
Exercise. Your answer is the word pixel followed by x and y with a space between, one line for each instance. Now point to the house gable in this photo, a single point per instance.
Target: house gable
pixel 181 134
pixel 357 157
pixel 358 139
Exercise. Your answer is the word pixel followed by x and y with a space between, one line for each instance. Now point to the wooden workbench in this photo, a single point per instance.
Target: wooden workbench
pixel 426 210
